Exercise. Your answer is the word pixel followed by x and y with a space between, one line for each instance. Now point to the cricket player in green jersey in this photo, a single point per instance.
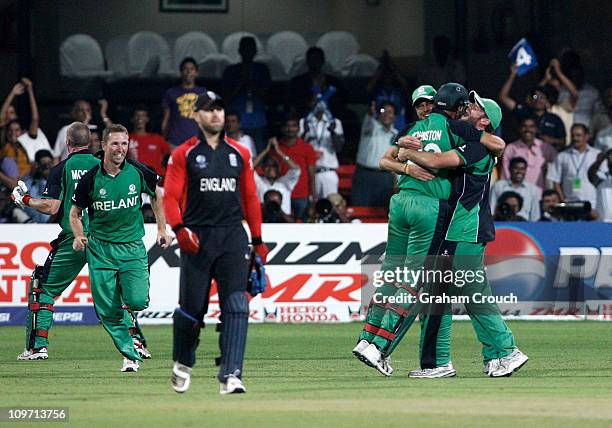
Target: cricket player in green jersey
pixel 118 267
pixel 417 215
pixel 466 233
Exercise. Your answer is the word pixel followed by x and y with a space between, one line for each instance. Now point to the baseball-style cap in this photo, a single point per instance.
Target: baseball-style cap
pixel 424 91
pixel 491 108
pixel 207 100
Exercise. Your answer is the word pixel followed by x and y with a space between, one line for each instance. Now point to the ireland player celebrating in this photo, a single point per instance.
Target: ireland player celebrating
pixel 117 258
pixel 467 231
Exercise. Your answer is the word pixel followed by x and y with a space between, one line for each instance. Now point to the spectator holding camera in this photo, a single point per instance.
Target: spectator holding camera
pixel 332 209
pixel 508 206
pixel 570 171
pixel 531 202
pixel 271 211
pixel 550 127
pixel 549 202
pixel 326 136
pixel 272 179
pixel 372 186
pixel 603 185
pixel 388 85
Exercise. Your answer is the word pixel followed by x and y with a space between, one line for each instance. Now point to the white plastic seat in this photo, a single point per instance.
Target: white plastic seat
pixel 338 46
pixel 148 54
pixel 195 44
pixel 213 65
pixel 359 65
pixel 231 44
pixel 81 56
pixel 116 55
pixel 286 46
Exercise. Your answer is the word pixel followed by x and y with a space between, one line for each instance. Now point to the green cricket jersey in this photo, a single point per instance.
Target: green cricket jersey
pixel 438 133
pixel 113 203
pixel 62 182
pixel 471 220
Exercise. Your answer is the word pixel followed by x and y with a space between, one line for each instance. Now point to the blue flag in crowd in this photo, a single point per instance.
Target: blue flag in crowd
pixel 523 56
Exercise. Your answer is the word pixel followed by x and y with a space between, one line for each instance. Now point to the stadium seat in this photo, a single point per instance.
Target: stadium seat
pixel 359 65
pixel 345 180
pixel 213 65
pixel 275 66
pixel 148 54
pixel 195 44
pixel 230 45
pixel 368 214
pixel 286 46
pixel 116 55
pixel 81 56
pixel 338 46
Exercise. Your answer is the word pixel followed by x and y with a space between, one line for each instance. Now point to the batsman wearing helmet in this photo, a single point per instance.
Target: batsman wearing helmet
pixel 417 215
pixel 210 189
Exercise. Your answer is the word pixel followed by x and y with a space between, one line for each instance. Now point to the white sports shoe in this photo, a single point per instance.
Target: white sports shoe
pixel 143 352
pixel 510 364
pixel 490 366
pixel 34 354
pixel 358 352
pixel 181 377
pixel 129 365
pixel 233 385
pixel 446 370
pixel 372 357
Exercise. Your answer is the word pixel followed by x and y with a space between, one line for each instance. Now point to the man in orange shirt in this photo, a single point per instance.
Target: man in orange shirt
pixel 149 148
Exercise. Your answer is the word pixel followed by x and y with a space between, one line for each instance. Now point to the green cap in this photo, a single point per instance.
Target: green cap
pixel 424 91
pixel 491 108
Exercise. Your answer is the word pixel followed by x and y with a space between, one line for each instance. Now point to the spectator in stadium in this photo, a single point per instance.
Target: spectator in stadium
pixel 303 154
pixel 271 210
pixel 177 123
pixel 603 141
pixel 388 85
pixel 603 185
pixel 550 199
pixel 508 207
pixel 326 136
pixel 531 201
pixel 81 112
pixel 271 175
pixel 9 173
pixel 13 149
pixel 601 120
pixel 588 95
pixel 233 130
pixel 443 67
pixel 535 151
pixel 36 182
pixel 372 186
pixel 95 145
pixel 332 209
pixel 569 173
pixel 314 80
pixel 34 138
pixel 550 127
pixel 150 148
pixel 246 86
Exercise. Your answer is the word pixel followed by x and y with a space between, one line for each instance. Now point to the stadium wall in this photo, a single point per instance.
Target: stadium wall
pixel 319 273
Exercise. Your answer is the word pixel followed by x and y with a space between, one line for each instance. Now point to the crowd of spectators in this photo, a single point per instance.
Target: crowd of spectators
pixel 560 167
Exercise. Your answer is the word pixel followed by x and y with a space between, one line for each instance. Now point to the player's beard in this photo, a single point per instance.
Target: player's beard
pixel 213 129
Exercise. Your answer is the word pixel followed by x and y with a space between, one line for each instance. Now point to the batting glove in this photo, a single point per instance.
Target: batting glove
pixel 188 241
pixel 20 195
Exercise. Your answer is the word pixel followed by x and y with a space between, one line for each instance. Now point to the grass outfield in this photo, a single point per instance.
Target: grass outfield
pixel 304 375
